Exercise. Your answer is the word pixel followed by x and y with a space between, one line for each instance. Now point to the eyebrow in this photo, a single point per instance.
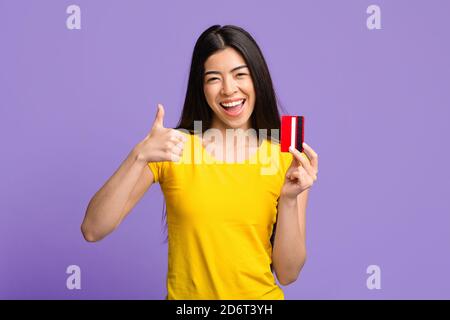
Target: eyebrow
pixel 234 69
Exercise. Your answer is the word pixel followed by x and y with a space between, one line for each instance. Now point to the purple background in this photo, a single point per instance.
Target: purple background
pixel 75 102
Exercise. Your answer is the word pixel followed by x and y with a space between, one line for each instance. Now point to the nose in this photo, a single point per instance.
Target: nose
pixel 228 87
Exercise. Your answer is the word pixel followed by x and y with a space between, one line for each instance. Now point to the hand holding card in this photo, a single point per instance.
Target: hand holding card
pixel 302 173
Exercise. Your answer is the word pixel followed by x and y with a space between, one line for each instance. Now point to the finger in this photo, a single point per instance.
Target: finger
pixel 159 117
pixel 178 149
pixel 178 135
pixel 301 173
pixel 293 175
pixel 174 157
pixel 304 173
pixel 296 175
pixel 312 155
pixel 301 158
pixel 297 154
pixel 177 139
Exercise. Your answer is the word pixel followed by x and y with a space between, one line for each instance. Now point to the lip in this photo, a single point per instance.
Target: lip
pixel 231 100
pixel 230 114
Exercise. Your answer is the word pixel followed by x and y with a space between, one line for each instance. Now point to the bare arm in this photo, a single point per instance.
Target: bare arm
pixel 289 250
pixel 115 199
pixel 120 193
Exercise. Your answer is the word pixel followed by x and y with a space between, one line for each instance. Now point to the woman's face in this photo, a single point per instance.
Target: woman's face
pixel 228 89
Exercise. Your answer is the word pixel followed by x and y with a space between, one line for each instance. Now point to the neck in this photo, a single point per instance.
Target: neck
pixel 250 136
pixel 222 127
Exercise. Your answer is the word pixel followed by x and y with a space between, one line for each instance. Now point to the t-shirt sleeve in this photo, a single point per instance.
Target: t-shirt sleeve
pixel 157 169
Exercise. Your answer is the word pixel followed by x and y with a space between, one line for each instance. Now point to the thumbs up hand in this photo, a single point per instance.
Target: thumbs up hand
pixel 161 144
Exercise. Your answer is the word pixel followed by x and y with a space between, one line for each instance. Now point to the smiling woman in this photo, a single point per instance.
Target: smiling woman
pixel 231 225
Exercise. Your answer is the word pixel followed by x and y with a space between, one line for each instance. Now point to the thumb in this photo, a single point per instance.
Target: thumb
pixel 294 163
pixel 159 117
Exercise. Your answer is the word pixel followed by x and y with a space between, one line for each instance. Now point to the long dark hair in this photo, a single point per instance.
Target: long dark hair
pixel 265 114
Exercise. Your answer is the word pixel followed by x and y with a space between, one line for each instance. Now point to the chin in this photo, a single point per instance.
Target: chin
pixel 236 125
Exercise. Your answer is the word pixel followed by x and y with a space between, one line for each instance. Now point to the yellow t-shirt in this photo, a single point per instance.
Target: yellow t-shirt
pixel 220 219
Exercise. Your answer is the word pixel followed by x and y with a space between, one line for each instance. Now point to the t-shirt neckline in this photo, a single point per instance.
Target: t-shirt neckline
pixel 245 161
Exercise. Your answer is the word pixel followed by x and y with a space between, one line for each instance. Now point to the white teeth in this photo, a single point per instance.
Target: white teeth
pixel 232 104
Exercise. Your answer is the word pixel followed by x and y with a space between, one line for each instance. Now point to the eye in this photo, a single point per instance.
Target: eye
pixel 240 75
pixel 212 79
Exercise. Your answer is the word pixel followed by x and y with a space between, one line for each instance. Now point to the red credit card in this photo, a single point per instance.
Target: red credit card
pixel 292 132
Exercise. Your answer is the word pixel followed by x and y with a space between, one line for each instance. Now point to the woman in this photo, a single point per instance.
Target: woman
pixel 223 197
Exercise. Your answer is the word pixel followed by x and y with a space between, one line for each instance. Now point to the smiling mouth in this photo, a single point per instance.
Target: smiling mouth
pixel 233 108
